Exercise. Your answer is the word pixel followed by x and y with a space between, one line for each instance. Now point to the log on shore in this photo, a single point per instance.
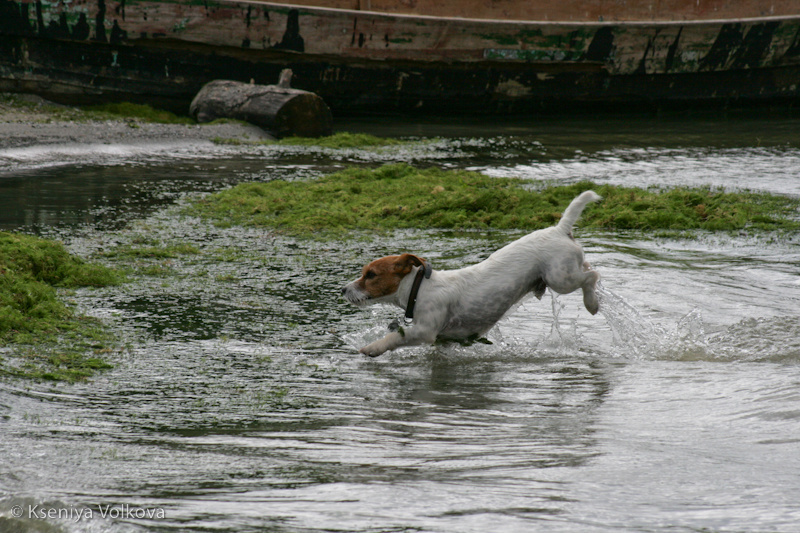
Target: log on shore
pixel 278 109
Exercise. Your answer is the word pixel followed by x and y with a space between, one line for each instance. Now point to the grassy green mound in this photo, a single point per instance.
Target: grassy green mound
pixel 401 196
pixel 36 327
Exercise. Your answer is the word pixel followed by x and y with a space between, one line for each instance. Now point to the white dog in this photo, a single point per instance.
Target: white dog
pixel 466 303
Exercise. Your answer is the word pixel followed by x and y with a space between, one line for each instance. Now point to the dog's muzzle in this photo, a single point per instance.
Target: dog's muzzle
pixel 354 295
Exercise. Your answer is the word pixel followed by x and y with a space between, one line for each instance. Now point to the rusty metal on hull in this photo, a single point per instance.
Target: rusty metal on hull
pixel 359 61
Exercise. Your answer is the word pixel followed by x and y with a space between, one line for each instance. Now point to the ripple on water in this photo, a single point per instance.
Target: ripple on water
pixel 764 169
pixel 235 409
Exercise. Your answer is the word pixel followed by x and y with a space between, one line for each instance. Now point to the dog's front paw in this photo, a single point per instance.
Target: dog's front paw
pixel 372 350
pixel 376 348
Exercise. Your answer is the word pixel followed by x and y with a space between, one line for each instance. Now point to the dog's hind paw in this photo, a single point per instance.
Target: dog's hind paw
pixel 591 302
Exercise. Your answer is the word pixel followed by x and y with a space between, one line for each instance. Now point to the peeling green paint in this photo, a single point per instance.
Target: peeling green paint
pixel 180 25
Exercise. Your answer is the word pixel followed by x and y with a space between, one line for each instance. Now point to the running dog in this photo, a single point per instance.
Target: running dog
pixel 466 303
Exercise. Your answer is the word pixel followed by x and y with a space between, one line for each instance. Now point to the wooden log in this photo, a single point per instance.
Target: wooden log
pixel 278 109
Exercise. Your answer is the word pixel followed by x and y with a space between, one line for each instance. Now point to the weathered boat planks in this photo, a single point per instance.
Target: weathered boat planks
pixel 414 55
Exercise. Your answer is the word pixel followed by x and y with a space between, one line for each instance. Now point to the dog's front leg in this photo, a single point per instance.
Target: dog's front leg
pixel 403 337
pixel 389 342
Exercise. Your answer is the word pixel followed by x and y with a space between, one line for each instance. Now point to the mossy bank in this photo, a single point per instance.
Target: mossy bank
pixel 401 196
pixel 40 336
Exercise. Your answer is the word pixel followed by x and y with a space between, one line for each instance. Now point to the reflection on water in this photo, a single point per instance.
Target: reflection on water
pixel 241 403
pixel 96 196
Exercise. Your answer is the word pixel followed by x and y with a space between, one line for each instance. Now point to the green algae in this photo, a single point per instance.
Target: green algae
pixel 40 336
pixel 401 196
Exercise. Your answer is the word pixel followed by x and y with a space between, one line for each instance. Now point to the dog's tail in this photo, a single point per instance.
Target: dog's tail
pixel 576 208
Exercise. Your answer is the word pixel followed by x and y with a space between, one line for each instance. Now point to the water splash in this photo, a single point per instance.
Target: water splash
pixel 563 337
pixel 636 335
pixel 774 339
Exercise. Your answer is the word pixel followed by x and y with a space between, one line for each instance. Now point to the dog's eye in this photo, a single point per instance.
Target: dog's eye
pixel 369 275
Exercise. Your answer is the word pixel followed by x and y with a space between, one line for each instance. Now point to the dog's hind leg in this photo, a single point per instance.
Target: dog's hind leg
pixel 589 290
pixel 571 273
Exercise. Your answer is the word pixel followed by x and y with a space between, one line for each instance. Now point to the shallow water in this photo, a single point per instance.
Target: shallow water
pixel 241 404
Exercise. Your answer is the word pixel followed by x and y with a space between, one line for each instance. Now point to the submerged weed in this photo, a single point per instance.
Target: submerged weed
pixel 335 141
pixel 401 196
pixel 154 252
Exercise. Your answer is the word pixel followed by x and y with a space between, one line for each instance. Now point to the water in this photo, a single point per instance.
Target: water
pixel 241 404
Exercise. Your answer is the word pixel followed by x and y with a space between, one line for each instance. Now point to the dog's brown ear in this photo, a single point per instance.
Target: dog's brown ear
pixel 407 261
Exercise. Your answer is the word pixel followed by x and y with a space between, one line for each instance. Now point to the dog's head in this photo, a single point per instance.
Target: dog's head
pixel 381 278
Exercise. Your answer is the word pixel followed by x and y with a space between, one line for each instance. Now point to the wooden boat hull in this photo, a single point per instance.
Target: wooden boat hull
pixel 163 51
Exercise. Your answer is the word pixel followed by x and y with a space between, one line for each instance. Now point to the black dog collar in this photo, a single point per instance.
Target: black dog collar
pixel 424 271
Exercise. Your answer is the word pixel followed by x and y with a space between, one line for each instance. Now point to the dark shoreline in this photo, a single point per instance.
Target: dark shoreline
pixel 27 120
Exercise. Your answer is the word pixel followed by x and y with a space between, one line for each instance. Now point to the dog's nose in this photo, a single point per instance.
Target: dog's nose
pixel 344 290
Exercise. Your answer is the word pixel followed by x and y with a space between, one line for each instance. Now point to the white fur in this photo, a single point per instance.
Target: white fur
pixel 458 304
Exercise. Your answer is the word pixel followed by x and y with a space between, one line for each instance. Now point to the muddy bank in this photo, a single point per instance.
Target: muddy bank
pixel 27 120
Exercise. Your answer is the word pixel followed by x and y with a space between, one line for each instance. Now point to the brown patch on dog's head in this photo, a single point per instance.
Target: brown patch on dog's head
pixel 382 277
